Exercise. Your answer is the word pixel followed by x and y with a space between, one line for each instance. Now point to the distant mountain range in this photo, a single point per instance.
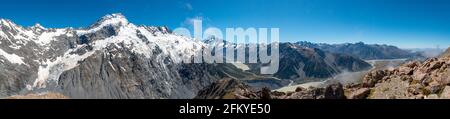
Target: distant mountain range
pixel 427 52
pixel 429 79
pixel 364 51
pixel 297 62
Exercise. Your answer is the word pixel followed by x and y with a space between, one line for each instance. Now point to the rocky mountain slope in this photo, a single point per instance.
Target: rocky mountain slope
pixel 299 62
pixel 364 51
pixel 110 59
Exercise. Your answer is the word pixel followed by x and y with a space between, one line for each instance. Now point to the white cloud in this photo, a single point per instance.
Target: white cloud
pixel 189 6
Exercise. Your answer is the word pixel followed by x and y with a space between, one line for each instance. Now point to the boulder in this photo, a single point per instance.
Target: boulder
pixel 432 96
pixel 373 77
pixel 419 77
pixel 434 87
pixel 265 93
pixel 406 71
pixel 361 93
pixel 298 89
pixel 334 91
pixel 445 93
pixel 446 80
pixel 435 65
pixel 416 89
pixel 412 64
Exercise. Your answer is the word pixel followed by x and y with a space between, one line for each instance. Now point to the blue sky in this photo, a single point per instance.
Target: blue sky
pixel 404 23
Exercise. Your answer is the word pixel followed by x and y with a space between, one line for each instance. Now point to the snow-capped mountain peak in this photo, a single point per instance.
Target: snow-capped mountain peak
pixel 108 20
pixel 111 19
pixel 8 24
pixel 4 22
pixel 49 53
pixel 38 26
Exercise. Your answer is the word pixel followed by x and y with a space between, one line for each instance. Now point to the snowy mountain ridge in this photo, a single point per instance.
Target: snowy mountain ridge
pixel 55 51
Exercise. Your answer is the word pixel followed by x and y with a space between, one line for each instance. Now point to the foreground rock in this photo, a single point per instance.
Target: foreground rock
pixel 413 80
pixel 445 93
pixel 361 93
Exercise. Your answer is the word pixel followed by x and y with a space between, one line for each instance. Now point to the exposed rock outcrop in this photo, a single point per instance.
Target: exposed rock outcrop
pixel 413 80
pixel 360 93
